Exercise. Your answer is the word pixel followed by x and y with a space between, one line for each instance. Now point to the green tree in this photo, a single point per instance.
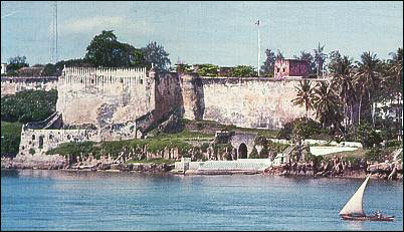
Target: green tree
pixel 106 51
pixel 342 71
pixel 15 63
pixel 319 58
pixel 305 95
pixel 139 59
pixel 156 55
pixel 327 105
pixel 395 83
pixel 268 67
pixel 183 68
pixel 368 77
pixel 243 71
pixel 210 70
pixel 279 55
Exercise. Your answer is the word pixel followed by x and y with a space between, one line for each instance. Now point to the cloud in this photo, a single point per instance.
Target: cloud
pixel 97 23
pixel 120 24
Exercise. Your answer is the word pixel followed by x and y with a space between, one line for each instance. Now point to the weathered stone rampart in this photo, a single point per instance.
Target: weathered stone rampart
pixel 117 104
pixel 244 102
pixel 13 85
pixel 38 141
pixel 109 99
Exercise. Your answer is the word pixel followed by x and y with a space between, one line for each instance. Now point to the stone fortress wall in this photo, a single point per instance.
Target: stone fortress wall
pixel 13 85
pixel 113 104
pixel 109 99
pixel 38 141
pixel 244 102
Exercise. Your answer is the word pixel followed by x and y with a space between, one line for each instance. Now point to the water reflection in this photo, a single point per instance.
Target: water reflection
pixel 9 173
pixel 354 225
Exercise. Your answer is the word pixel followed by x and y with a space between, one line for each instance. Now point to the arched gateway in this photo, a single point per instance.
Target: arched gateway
pixel 242 151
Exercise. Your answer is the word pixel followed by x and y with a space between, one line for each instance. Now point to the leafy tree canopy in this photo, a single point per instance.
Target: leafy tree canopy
pixel 16 63
pixel 106 51
pixel 210 70
pixel 156 55
pixel 243 71
pixel 268 67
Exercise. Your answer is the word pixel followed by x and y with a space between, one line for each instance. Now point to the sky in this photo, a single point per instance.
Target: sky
pixel 222 33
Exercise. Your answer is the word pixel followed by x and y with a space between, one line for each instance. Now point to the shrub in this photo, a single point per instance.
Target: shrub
pixel 302 127
pixel 243 71
pixel 374 154
pixel 254 153
pixel 368 136
pixel 264 152
pixel 10 138
pixel 28 106
pixel 208 70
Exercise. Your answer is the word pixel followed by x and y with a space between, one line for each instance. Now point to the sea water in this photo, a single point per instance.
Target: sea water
pixel 60 200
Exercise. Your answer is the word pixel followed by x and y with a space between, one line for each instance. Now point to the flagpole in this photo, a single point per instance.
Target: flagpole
pixel 259 47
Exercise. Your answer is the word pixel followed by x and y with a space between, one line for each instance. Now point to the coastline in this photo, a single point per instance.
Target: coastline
pixel 169 169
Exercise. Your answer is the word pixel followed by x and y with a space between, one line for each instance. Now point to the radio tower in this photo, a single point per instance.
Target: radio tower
pixel 259 47
pixel 54 46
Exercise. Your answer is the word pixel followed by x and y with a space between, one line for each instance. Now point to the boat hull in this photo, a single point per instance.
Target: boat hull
pixel 367 218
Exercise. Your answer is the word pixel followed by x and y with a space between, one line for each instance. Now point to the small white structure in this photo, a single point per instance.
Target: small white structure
pixel 3 68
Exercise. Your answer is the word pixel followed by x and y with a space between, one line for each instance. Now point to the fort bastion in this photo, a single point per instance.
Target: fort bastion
pixel 103 104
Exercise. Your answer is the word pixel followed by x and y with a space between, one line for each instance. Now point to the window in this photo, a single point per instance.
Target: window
pixel 278 69
pixel 284 70
pixel 33 137
pixel 40 146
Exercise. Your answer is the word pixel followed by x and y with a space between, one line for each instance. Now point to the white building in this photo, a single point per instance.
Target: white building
pixel 3 68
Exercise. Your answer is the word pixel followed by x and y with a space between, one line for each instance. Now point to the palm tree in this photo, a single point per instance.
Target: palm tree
pixel 319 58
pixel 396 78
pixel 343 79
pixel 327 105
pixel 305 95
pixel 367 76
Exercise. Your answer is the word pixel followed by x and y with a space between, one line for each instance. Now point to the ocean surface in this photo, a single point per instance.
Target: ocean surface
pixel 59 200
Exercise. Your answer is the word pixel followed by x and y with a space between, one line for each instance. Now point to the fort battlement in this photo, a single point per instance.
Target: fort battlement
pixel 12 85
pixel 103 75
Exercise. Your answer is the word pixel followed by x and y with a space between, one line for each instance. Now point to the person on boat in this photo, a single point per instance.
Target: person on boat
pixel 378 214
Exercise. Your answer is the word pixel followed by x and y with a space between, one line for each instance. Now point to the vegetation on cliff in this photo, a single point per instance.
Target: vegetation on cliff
pixel 115 148
pixel 28 106
pixel 23 107
pixel 10 138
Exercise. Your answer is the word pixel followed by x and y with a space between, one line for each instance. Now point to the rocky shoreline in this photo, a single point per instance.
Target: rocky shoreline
pixel 333 169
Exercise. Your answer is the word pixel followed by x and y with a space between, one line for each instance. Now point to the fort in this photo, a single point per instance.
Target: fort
pixel 111 104
pixel 12 85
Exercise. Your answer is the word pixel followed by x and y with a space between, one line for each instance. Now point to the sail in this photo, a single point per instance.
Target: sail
pixel 355 204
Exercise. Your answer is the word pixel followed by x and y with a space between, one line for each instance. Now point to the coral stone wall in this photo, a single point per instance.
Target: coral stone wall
pixel 40 141
pixel 248 102
pixel 108 99
pixel 168 95
pixel 12 85
pixel 193 97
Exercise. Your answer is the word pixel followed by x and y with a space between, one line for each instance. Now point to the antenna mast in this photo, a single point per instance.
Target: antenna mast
pixel 54 46
pixel 259 46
